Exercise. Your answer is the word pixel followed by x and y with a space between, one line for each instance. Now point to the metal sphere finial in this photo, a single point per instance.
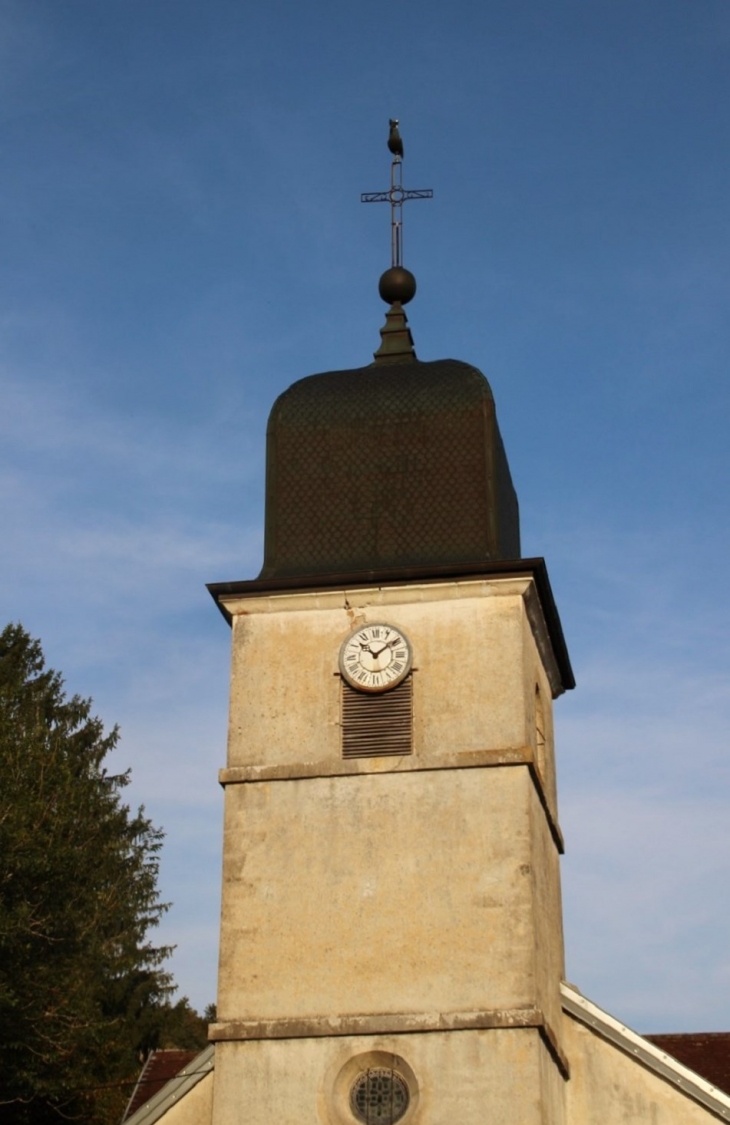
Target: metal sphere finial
pixel 397 284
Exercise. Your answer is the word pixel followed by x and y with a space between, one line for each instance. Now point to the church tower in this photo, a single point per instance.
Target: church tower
pixel 391 935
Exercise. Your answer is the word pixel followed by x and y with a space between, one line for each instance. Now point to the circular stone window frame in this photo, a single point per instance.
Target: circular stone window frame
pixel 338 1104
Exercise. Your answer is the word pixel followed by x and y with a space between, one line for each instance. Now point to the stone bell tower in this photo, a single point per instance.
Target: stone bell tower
pixel 391 935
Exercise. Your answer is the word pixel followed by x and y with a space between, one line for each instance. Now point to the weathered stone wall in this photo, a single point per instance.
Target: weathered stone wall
pixel 470 1077
pixel 610 1087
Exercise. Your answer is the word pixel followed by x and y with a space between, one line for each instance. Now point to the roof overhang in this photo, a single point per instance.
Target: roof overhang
pixel 529 568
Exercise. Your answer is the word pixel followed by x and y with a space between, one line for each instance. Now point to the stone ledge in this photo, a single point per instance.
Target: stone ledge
pixel 411 763
pixel 392 1023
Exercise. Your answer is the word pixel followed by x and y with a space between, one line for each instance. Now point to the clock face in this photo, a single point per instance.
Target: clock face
pixel 376 658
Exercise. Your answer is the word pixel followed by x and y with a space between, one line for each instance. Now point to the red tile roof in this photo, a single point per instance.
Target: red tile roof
pixel 160 1067
pixel 707 1053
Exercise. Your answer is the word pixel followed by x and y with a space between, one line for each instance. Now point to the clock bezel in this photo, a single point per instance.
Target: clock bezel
pixel 376 689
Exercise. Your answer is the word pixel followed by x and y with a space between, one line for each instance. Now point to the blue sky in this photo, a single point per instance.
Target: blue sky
pixel 182 238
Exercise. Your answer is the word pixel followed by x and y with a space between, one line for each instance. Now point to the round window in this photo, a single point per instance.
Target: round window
pixel 379 1097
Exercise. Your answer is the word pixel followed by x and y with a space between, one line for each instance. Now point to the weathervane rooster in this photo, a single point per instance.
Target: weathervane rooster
pixel 395 143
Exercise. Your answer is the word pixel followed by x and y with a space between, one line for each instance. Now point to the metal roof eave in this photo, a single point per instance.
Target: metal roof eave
pixel 171 1093
pixel 653 1058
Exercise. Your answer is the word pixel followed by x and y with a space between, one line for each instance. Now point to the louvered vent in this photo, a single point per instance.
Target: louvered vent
pixel 376 725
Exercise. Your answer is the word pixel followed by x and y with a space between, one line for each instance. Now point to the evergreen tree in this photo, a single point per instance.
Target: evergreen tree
pixel 83 995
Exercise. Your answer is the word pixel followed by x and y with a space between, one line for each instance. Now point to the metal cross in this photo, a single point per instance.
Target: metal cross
pixel 396 196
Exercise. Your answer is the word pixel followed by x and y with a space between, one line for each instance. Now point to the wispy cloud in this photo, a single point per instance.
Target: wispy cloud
pixel 646 934
pixel 644 779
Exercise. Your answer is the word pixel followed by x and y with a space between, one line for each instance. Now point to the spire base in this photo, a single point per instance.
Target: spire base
pixel 397 341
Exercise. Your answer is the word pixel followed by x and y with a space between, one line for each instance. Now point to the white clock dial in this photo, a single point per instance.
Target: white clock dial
pixel 376 657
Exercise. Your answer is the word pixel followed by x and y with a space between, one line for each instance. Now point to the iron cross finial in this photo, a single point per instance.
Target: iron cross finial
pixel 397 195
